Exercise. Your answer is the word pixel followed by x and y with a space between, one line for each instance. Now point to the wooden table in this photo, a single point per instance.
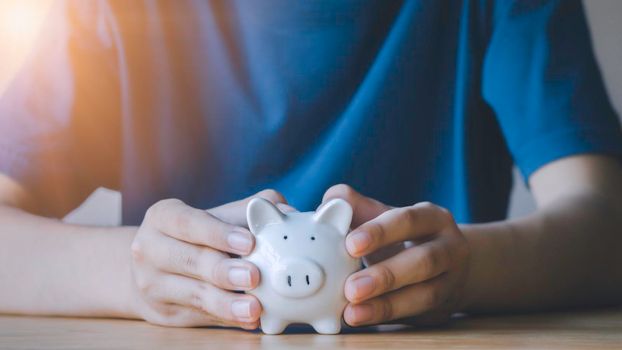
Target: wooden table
pixel 595 329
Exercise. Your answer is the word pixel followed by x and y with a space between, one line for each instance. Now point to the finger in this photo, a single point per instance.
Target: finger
pixel 235 212
pixel 285 208
pixel 413 265
pixel 397 225
pixel 203 263
pixel 176 219
pixel 409 301
pixel 224 305
pixel 184 316
pixel 364 208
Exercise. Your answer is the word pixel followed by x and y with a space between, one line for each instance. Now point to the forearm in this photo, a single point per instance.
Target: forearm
pixel 566 254
pixel 51 268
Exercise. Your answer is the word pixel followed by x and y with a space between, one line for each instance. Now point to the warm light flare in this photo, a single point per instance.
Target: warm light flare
pixel 20 21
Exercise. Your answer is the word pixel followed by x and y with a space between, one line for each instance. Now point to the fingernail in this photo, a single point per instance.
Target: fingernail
pixel 358 241
pixel 241 308
pixel 363 286
pixel 239 276
pixel 240 241
pixel 286 208
pixel 363 313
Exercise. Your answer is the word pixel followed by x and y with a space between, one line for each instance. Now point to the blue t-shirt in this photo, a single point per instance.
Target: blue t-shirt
pixel 211 101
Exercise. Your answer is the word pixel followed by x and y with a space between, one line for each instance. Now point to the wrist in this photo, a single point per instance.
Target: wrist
pixel 125 302
pixel 471 292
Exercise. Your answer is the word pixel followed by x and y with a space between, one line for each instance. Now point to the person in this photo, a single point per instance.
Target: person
pixel 189 105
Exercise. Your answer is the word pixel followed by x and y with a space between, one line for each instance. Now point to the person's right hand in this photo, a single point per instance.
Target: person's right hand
pixel 184 265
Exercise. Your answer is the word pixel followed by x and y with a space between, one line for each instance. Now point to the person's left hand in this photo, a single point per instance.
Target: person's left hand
pixel 421 284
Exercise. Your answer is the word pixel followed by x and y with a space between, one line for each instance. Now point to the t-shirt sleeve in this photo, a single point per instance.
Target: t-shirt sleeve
pixel 541 78
pixel 59 117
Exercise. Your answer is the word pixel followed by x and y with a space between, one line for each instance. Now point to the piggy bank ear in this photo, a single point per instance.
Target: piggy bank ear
pixel 260 213
pixel 337 213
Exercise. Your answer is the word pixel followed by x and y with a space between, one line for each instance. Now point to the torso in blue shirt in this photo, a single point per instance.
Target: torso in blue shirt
pixel 236 96
pixel 403 100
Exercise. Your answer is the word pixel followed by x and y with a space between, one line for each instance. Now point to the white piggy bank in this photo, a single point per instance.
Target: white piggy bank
pixel 303 263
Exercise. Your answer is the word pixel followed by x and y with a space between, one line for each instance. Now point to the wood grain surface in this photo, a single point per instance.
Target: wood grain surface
pixel 592 329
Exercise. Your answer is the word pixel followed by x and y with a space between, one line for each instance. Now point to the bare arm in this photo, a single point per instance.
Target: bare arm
pixel 175 269
pixel 566 253
pixel 52 268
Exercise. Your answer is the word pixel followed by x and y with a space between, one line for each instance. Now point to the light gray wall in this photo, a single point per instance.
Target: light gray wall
pixel 605 18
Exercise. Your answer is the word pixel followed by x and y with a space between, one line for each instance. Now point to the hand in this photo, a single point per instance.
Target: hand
pixel 184 265
pixel 421 284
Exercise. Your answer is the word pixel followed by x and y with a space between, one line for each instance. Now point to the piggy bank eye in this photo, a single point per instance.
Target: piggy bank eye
pixel 313 238
pixel 285 237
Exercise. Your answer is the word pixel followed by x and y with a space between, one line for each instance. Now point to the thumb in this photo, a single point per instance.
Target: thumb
pixel 234 213
pixel 364 208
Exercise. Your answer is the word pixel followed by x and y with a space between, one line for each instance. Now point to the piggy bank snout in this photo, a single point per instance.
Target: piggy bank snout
pixel 297 278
